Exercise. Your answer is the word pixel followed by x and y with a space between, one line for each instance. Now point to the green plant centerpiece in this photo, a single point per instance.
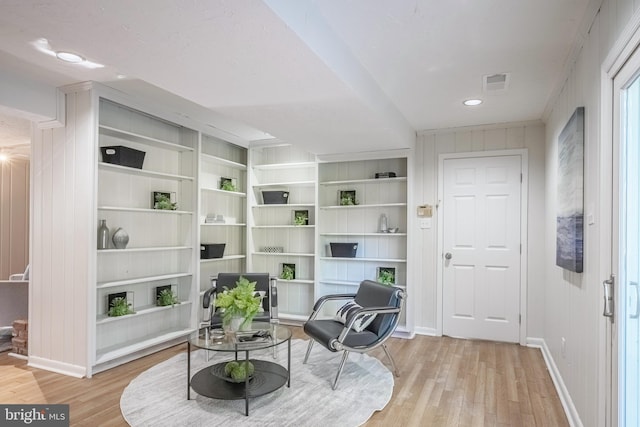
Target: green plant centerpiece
pixel 166 297
pixel 239 371
pixel 241 301
pixel 163 202
pixel 120 307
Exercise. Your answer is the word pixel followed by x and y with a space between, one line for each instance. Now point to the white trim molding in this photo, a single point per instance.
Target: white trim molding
pixel 57 367
pixel 561 388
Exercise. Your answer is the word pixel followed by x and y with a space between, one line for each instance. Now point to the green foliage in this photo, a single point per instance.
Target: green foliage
pixel 228 186
pixel 240 300
pixel 300 219
pixel 163 202
pixel 119 307
pixel 386 277
pixel 239 371
pixel 348 201
pixel 166 297
pixel 288 272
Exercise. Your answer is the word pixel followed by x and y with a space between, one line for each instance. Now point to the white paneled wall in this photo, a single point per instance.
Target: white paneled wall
pixel 572 305
pixel 430 145
pixel 14 217
pixel 63 185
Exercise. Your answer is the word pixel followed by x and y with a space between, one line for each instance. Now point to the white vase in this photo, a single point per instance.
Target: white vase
pixel 237 323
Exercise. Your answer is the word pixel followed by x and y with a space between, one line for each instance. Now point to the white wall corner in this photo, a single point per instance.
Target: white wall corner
pixel 57 367
pixel 563 393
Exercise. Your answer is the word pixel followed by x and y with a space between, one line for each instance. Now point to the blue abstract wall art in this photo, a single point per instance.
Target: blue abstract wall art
pixel 570 213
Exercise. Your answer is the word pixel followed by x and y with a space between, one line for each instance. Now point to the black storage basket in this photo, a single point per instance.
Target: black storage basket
pixel 344 250
pixel 275 197
pixel 123 156
pixel 212 250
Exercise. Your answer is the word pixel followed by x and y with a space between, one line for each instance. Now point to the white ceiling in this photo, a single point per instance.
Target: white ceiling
pixel 332 75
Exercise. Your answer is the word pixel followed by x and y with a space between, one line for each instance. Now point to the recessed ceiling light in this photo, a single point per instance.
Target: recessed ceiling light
pixel 69 57
pixel 472 102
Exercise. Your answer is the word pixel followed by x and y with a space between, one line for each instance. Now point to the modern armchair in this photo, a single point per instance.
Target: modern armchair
pixel 265 285
pixel 361 325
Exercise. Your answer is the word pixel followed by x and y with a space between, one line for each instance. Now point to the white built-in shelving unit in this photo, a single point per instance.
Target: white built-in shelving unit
pixel 162 243
pixel 222 160
pixel 274 238
pixel 360 223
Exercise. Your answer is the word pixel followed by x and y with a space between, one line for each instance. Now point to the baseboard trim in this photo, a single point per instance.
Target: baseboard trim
pixel 565 398
pixel 57 367
pixel 431 332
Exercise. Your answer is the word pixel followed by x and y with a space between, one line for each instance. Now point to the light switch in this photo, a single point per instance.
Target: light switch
pixel 425 223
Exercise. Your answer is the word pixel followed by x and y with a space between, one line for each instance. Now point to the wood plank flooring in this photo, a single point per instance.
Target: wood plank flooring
pixel 443 382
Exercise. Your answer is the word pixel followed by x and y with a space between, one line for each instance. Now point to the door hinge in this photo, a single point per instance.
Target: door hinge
pixel 520 177
pixel 520 248
pixel 520 319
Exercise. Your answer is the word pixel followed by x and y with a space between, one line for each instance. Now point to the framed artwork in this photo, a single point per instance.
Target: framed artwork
pixel 301 217
pixel 347 197
pixel 570 204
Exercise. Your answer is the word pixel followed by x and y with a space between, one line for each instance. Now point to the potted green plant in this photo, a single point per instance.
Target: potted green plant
pixel 163 202
pixel 167 297
pixel 301 218
pixel 240 304
pixel 119 307
pixel 226 184
pixel 386 276
pixel 288 272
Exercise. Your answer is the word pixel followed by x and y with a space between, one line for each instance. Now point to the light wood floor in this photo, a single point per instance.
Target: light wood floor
pixel 443 382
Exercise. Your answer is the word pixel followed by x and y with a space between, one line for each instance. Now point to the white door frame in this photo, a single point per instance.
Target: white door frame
pixel 621 51
pixel 524 198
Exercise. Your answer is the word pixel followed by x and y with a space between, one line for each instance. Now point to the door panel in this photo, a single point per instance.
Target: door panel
pixel 625 342
pixel 481 226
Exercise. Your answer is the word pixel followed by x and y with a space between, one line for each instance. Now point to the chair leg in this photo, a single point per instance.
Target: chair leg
pixel 344 359
pixel 393 365
pixel 309 347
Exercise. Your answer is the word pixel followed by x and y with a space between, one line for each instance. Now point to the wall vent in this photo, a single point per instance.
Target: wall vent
pixel 496 82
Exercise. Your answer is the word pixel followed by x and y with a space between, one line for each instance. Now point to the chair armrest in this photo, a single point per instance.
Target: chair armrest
pixel 362 312
pixel 273 299
pixel 323 299
pixel 208 296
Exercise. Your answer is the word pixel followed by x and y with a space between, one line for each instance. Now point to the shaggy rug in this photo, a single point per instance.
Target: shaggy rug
pixel 158 396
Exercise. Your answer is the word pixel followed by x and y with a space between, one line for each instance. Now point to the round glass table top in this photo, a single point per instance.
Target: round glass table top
pixel 262 335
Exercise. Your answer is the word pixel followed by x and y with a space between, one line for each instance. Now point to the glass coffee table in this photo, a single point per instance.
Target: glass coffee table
pixel 268 376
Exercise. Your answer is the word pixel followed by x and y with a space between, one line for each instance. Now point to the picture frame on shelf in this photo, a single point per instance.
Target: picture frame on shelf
pixel 301 217
pixel 120 304
pixel 228 184
pixel 288 271
pixel 347 198
pixel 164 200
pixel 386 275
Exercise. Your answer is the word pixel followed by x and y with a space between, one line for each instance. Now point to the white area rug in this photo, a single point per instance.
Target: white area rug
pixel 158 396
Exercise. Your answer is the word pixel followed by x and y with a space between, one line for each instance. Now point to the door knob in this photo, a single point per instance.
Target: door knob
pixel 448 255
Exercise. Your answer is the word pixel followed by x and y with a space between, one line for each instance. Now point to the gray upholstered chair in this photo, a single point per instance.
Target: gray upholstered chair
pixel 351 331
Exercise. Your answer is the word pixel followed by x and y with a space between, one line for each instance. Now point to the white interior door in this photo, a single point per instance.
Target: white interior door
pixel 481 245
pixel 625 231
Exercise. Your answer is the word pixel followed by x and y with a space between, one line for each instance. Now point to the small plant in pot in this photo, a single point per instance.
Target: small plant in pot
pixel 163 202
pixel 240 302
pixel 227 185
pixel 386 276
pixel 167 297
pixel 120 307
pixel 288 272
